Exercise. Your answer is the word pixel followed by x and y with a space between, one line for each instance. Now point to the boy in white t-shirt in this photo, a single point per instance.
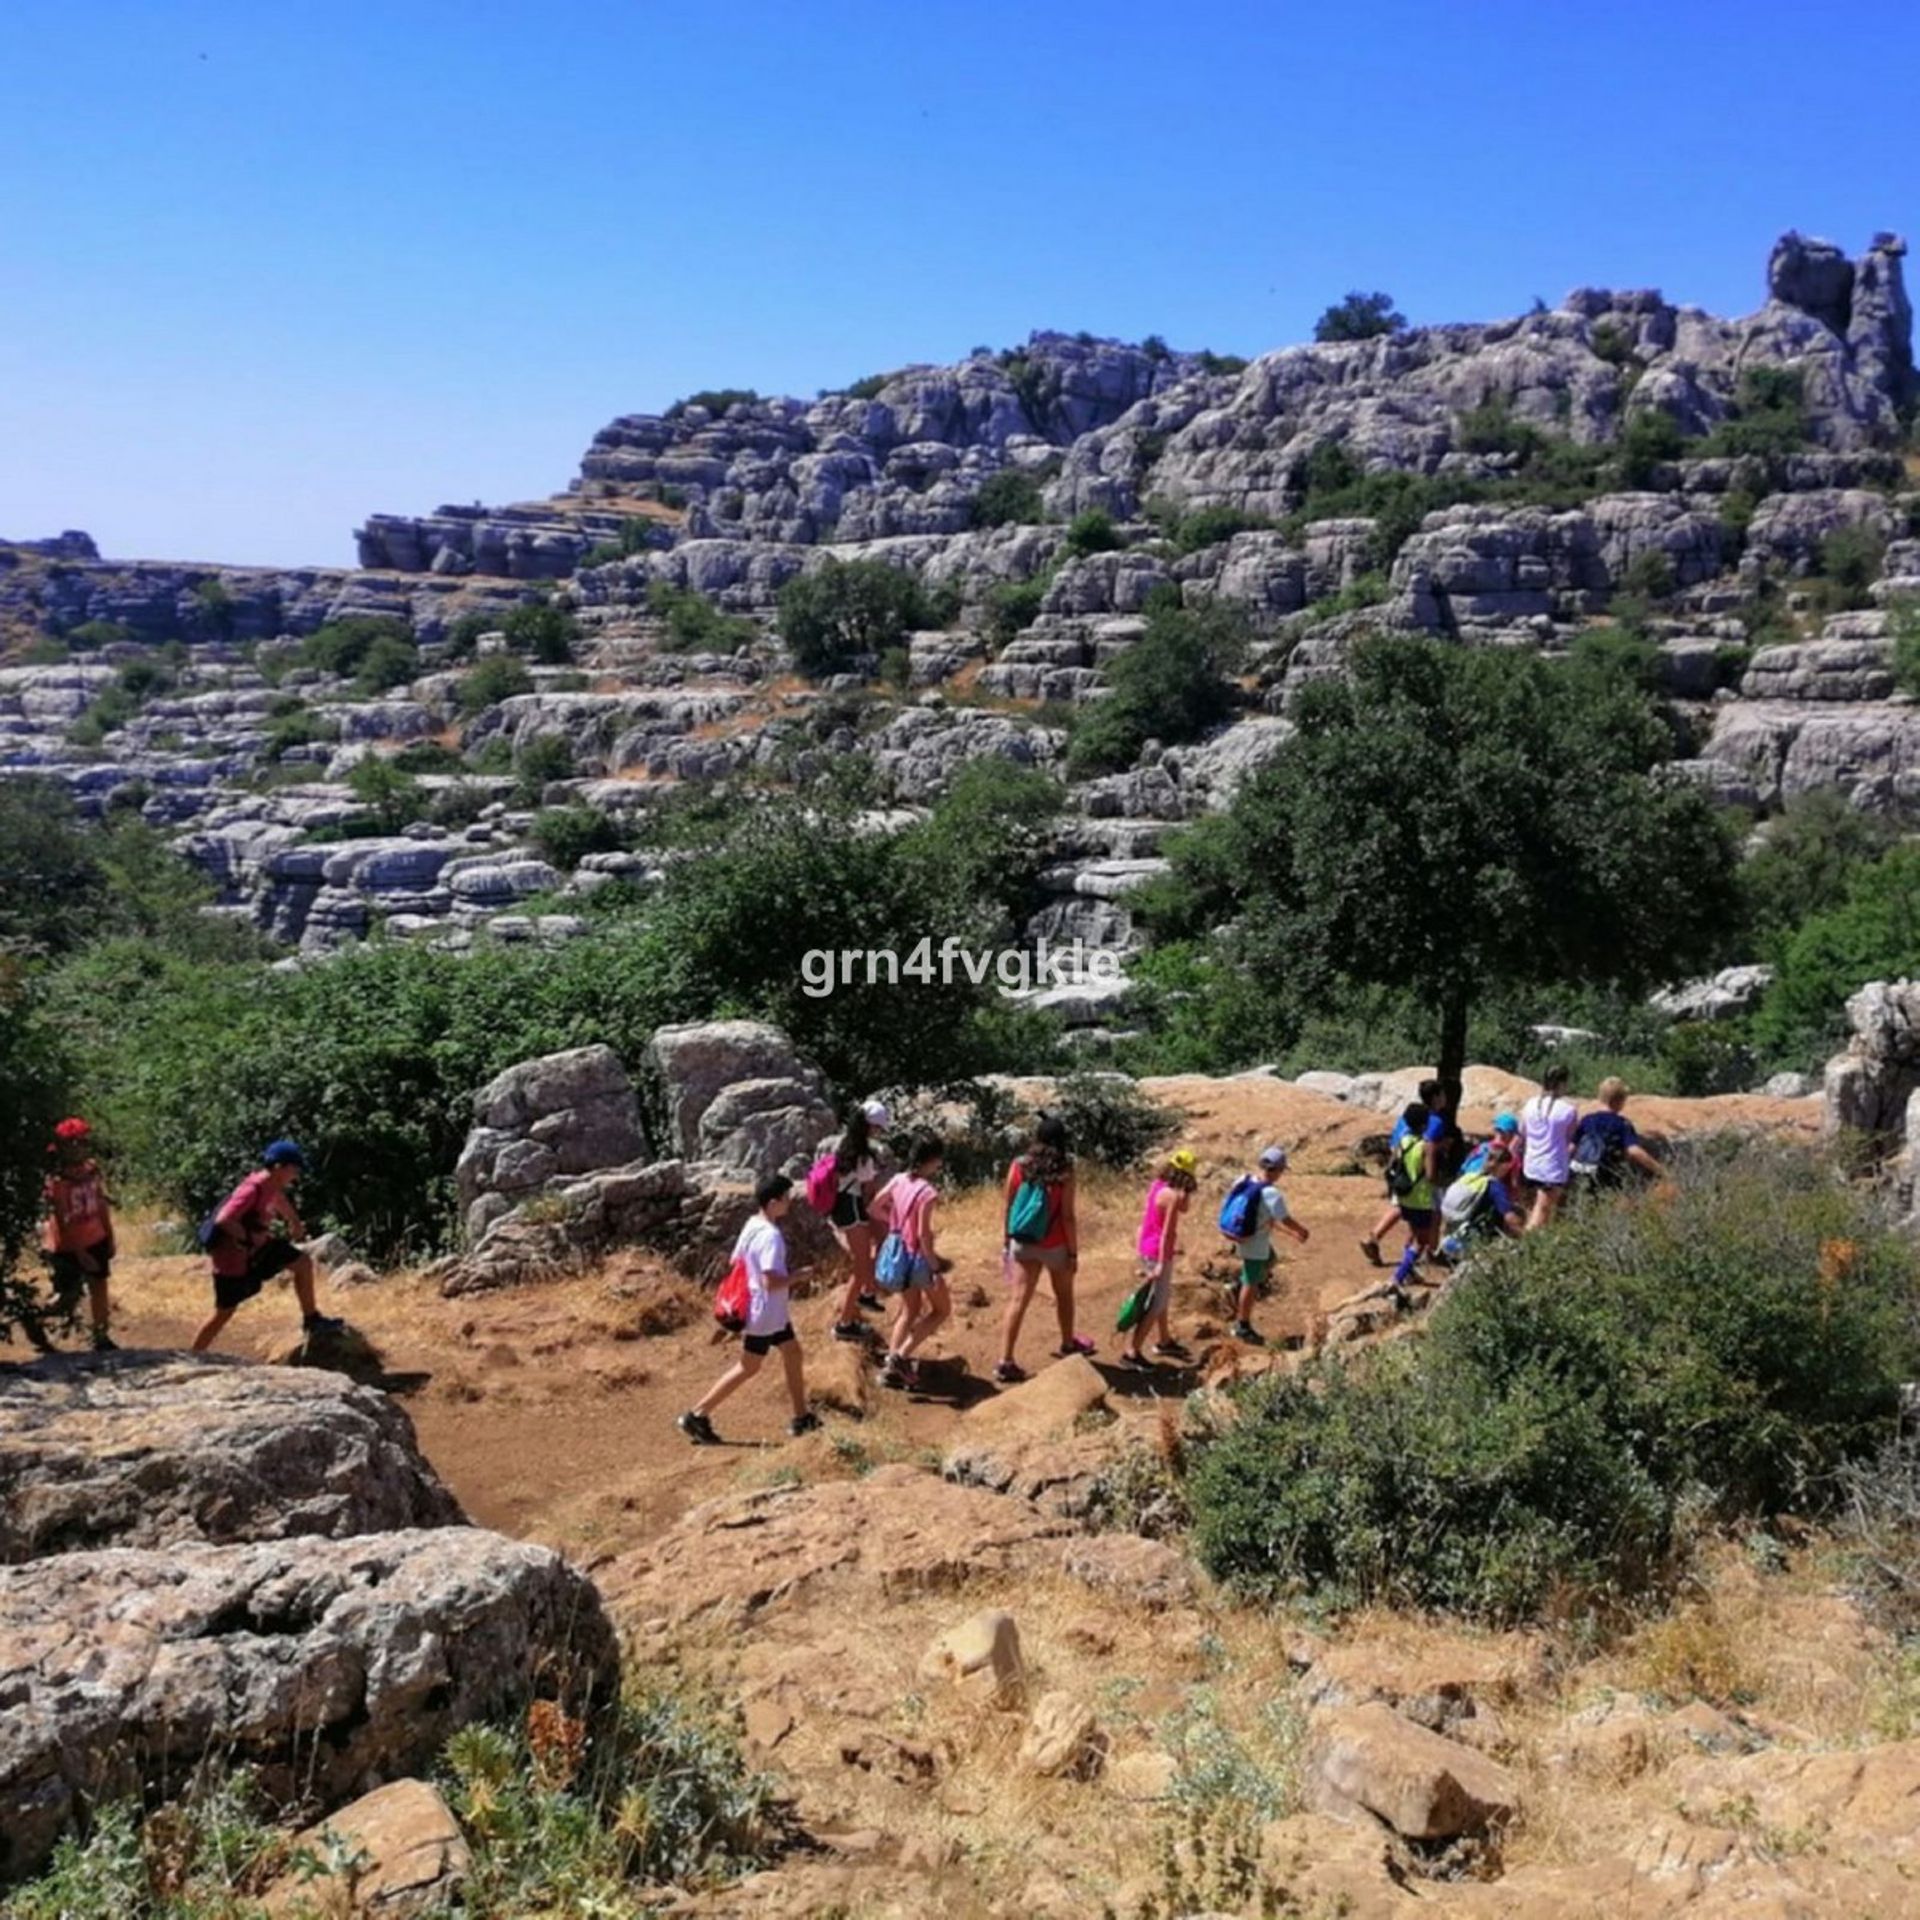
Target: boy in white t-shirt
pixel 762 1249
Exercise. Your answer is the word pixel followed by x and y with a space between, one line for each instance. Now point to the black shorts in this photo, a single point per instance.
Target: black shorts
pixel 847 1211
pixel 231 1290
pixel 70 1278
pixel 764 1343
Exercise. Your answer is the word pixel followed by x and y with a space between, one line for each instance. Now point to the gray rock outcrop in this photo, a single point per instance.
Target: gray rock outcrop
pixel 152 1451
pixel 736 1092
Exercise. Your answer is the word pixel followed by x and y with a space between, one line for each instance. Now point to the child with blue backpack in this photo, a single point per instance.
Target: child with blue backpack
pixel 1253 1208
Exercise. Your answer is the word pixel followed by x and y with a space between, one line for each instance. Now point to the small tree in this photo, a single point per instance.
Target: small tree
pixel 1009 498
pixel 846 610
pixel 1456 822
pixel 1092 532
pixel 1173 684
pixel 389 797
pixel 32 1088
pixel 1360 316
pixel 498 677
pixel 542 631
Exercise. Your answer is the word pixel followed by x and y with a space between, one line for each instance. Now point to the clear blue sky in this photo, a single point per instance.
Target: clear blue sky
pixel 269 265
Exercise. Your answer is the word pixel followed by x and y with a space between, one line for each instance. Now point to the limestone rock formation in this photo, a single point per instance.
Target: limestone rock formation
pixel 327 1665
pixel 737 1092
pixel 155 1451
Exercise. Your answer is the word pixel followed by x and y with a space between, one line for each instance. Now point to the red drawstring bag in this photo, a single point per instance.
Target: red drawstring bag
pixel 731 1302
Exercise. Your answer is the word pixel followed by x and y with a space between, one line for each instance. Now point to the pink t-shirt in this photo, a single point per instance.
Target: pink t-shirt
pixel 902 1203
pixel 244 1215
pixel 1153 1223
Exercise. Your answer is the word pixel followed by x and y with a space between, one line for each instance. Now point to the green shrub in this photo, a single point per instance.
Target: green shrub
pixel 896 668
pixel 500 676
pixel 542 631
pixel 1649 575
pixel 464 635
pixel 566 835
pixel 1173 684
pixel 91 635
pixel 1648 440
pixel 373 649
pixel 636 535
pixel 1362 591
pixel 1813 852
pixel 1723 1351
pixel 1217 365
pixel 428 756
pixel 847 610
pixel 1706 1057
pixel 1904 618
pixel 1360 316
pixel 545 758
pixel 694 624
pixel 1109 1120
pixel 214 609
pixel 390 796
pixel 1494 428
pixel 1208 526
pixel 1036 384
pixel 1092 532
pixel 716 400
pixel 34 1091
pixel 1849 564
pixel 1612 341
pixel 1768 421
pixel 1014 605
pixel 1009 498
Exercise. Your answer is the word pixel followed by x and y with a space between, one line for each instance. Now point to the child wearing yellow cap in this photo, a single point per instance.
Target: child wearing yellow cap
pixel 1159 1245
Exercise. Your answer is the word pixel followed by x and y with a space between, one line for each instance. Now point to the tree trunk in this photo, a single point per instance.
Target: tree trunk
pixel 1453 1047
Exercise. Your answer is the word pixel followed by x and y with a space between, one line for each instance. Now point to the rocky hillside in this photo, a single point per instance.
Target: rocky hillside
pixel 1736 495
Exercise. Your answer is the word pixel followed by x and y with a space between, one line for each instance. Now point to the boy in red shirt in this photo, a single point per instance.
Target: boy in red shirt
pixel 78 1235
pixel 247 1252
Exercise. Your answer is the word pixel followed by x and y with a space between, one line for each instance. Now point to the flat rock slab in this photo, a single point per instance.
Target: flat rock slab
pixel 329 1666
pixel 1423 1785
pixel 139 1450
pixel 896 1531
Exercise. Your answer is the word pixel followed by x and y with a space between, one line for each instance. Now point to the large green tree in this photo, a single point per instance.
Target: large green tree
pixel 1456 822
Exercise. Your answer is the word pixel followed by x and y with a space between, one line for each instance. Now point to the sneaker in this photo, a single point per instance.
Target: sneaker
pixel 103 1342
pixel 1370 1249
pixel 699 1429
pixel 849 1330
pixel 322 1323
pixel 1078 1344
pixel 1135 1362
pixel 804 1423
pixel 1008 1374
pixel 872 1302
pixel 1171 1350
pixel 1243 1330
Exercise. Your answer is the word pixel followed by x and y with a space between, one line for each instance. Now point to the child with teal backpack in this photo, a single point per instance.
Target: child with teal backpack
pixel 1043 1236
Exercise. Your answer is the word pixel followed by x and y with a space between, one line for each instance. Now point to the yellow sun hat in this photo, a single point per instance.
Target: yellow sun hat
pixel 1182 1160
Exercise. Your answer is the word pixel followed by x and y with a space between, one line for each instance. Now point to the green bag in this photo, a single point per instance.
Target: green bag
pixel 1134 1307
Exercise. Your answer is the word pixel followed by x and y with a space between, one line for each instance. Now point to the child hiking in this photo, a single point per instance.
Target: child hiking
pixel 1159 1246
pixel 1258 1203
pixel 1547 1122
pixel 848 1187
pixel 77 1236
pixel 762 1250
pixel 1043 1236
pixel 252 1237
pixel 1434 1130
pixel 1411 1178
pixel 904 1206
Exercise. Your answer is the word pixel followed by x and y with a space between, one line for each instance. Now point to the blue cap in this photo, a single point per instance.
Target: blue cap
pixel 1505 1123
pixel 283 1153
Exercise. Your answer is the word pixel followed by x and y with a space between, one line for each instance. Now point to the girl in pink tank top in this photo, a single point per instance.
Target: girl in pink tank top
pixel 1159 1246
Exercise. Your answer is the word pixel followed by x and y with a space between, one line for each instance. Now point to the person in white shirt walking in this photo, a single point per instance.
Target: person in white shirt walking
pixel 762 1249
pixel 1547 1124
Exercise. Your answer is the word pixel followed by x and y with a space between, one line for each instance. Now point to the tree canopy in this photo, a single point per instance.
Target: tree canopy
pixel 1457 822
pixel 1360 316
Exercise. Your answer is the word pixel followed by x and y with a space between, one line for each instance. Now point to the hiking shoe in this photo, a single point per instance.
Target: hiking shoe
pixel 872 1302
pixel 1371 1250
pixel 1008 1374
pixel 1171 1350
pixel 103 1342
pixel 1078 1344
pixel 699 1429
pixel 1243 1330
pixel 322 1323
pixel 1135 1362
pixel 849 1329
pixel 803 1423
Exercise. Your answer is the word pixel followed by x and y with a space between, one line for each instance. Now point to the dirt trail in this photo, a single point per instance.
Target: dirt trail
pixel 550 1413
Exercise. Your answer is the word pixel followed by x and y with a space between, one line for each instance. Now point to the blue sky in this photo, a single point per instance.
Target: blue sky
pixel 269 265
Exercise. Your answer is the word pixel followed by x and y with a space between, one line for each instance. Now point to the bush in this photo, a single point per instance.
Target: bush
pixel 1009 498
pixel 1173 684
pixel 1768 421
pixel 636 535
pixel 1850 560
pixel 91 635
pixel 1092 532
pixel 1648 440
pixel 545 758
pixel 1360 316
pixel 1208 526
pixel 373 650
pixel 1612 342
pixel 1723 1349
pixel 566 835
pixel 1905 621
pixel 542 631
pixel 1813 852
pixel 1110 1121
pixel 848 610
pixel 1217 365
pixel 390 797
pixel 694 624
pixel 33 1092
pixel 716 400
pixel 1014 605
pixel 291 725
pixel 498 677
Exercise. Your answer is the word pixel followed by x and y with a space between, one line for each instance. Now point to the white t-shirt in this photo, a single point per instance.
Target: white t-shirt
pixel 1546 1133
pixel 763 1248
pixel 1258 1245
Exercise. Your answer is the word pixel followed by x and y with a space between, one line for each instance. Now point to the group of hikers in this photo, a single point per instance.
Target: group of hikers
pixel 253 1235
pixel 1446 1192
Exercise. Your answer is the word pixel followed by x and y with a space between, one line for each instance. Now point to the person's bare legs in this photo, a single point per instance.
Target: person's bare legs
pixel 1546 1203
pixel 1017 1304
pixel 1063 1300
pixel 936 1309
pixel 302 1271
pixel 211 1332
pixel 97 1303
pixel 1389 1215
pixel 793 1364
pixel 906 1317
pixel 858 1244
pixel 735 1377
pixel 1158 1314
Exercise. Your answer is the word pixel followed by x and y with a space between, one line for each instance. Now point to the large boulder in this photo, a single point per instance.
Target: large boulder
pixel 138 1450
pixel 738 1093
pixel 1869 1085
pixel 542 1120
pixel 329 1667
pixel 1423 1785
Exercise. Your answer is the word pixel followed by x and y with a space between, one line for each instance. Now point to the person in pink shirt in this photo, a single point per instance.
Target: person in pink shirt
pixel 905 1206
pixel 1159 1247
pixel 254 1235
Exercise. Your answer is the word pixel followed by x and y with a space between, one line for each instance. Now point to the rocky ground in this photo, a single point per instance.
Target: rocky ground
pixel 975 1699
pixel 1783 671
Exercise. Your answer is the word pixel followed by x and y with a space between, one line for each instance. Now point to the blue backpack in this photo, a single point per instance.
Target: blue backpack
pixel 1240 1211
